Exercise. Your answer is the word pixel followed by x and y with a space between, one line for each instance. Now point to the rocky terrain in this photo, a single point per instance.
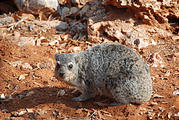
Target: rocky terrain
pixel 29 40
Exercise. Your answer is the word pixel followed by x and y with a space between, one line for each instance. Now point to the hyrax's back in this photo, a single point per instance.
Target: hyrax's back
pixel 118 71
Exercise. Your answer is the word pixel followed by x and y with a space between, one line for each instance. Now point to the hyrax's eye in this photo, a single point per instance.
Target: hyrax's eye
pixel 70 66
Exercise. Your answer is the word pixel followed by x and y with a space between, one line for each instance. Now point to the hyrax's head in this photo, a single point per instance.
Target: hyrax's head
pixel 66 68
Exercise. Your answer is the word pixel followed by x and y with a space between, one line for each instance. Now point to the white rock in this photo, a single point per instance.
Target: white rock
pixel 21 77
pixel 157 96
pixel 176 92
pixel 3 96
pixel 29 110
pixel 176 115
pixel 26 66
pixel 22 112
pixel 16 63
pixel 55 42
pixel 4 110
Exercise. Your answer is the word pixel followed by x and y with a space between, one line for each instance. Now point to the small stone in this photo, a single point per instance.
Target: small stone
pixel 55 42
pixel 3 96
pixel 10 97
pixel 169 115
pixel 30 93
pixel 6 20
pixel 61 93
pixel 84 10
pixel 22 112
pixel 31 27
pixel 29 110
pixel 154 103
pixel 21 96
pixel 16 63
pixel 26 66
pixel 62 26
pixel 4 110
pixel 176 92
pixel 73 10
pixel 65 12
pixel 21 77
pixel 176 115
pixel 157 96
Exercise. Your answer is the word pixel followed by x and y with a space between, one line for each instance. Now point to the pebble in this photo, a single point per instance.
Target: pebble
pixel 30 93
pixel 21 77
pixel 65 12
pixel 29 110
pixel 73 10
pixel 176 92
pixel 21 96
pixel 10 97
pixel 62 26
pixel 22 112
pixel 3 96
pixel 16 63
pixel 61 93
pixel 4 110
pixel 157 96
pixel 6 20
pixel 176 115
pixel 26 66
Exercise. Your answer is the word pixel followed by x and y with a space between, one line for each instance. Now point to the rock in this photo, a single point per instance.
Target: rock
pixel 16 63
pixel 10 97
pixel 53 43
pixel 24 41
pixel 176 115
pixel 26 66
pixel 30 110
pixel 22 77
pixel 30 93
pixel 62 26
pixel 34 5
pixel 4 110
pixel 151 12
pixel 21 96
pixel 31 27
pixel 6 20
pixel 157 96
pixel 22 113
pixel 176 92
pixel 84 10
pixel 61 93
pixel 3 97
pixel 73 10
pixel 65 12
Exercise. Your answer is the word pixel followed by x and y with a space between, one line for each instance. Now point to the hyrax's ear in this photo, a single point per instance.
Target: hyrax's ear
pixel 56 57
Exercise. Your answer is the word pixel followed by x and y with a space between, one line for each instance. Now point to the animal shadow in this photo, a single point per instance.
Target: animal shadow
pixel 36 96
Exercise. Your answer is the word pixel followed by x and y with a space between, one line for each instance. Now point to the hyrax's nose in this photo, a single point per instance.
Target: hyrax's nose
pixel 61 74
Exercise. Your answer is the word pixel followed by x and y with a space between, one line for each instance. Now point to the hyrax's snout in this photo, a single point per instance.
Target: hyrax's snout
pixel 61 74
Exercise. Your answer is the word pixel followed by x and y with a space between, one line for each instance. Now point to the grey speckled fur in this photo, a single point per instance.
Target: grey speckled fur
pixel 109 69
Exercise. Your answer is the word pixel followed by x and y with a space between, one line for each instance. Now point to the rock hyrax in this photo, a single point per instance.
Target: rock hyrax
pixel 109 69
